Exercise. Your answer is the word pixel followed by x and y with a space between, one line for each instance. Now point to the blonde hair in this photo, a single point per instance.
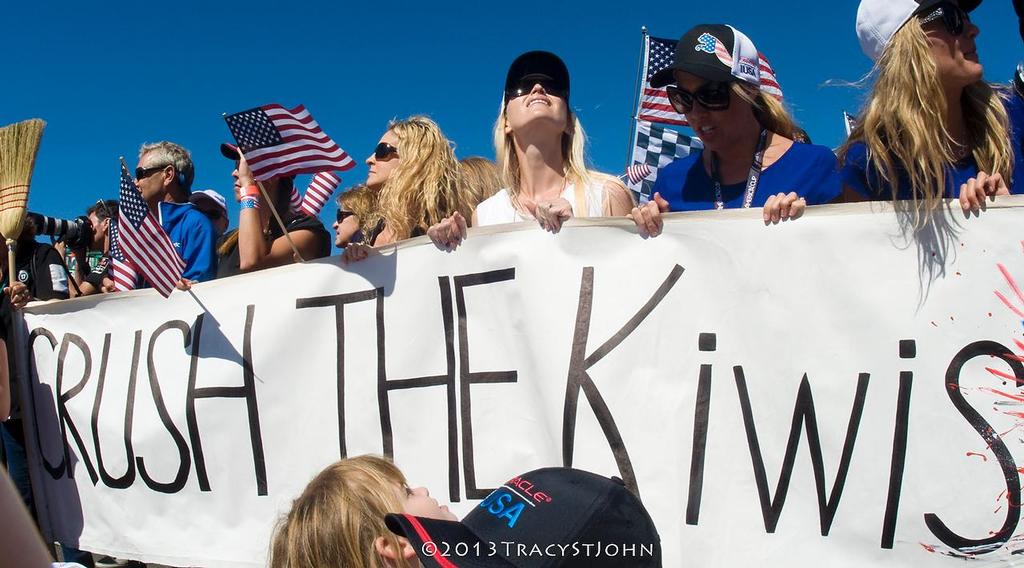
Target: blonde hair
pixel 769 111
pixel 423 189
pixel 339 516
pixel 479 179
pixel 573 158
pixel 903 124
pixel 362 202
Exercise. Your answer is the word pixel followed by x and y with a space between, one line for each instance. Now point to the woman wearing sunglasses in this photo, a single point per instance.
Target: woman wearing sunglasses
pixel 540 148
pixel 749 157
pixel 415 174
pixel 937 132
pixel 259 242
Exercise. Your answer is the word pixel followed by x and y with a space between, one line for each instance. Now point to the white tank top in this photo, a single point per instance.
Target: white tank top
pixel 498 209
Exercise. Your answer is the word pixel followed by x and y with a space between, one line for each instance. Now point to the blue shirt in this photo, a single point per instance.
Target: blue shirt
pixel 807 169
pixel 865 180
pixel 193 236
pixel 1015 110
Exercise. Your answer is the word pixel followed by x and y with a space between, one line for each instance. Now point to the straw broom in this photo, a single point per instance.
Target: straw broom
pixel 19 144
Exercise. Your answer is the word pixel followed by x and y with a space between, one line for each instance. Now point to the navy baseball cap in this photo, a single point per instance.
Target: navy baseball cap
pixel 548 517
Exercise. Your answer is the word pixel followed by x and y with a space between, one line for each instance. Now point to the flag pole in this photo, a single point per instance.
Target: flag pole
pixel 280 222
pixel 641 67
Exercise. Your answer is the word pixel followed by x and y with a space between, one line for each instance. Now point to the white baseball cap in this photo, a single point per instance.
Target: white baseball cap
pixel 210 195
pixel 879 20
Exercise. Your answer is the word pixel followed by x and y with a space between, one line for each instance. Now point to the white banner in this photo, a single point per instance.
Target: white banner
pixel 822 391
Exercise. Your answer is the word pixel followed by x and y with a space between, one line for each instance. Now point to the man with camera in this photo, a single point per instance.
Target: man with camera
pixel 95 237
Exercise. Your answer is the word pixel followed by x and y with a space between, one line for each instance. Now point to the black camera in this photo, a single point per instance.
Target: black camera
pixel 75 233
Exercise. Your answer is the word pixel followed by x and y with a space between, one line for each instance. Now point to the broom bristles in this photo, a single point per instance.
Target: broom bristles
pixel 19 144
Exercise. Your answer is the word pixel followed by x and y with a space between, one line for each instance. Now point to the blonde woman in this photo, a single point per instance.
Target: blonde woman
pixel 415 173
pixel 338 520
pixel 931 128
pixel 356 216
pixel 479 179
pixel 540 150
pixel 749 157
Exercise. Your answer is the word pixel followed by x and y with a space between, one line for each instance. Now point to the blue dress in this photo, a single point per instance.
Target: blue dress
pixel 809 170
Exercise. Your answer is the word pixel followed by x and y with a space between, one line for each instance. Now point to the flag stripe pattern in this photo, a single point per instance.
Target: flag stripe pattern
pixel 654 148
pixel 143 241
pixel 660 53
pixel 277 141
pixel 319 193
pixel 121 271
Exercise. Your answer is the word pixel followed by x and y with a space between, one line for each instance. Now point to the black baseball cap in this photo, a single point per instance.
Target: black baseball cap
pixel 538 65
pixel 229 151
pixel 548 517
pixel 716 52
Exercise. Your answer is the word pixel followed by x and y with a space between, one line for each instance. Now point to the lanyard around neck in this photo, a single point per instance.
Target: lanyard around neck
pixel 752 179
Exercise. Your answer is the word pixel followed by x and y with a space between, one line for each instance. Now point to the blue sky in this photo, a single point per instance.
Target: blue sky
pixel 108 76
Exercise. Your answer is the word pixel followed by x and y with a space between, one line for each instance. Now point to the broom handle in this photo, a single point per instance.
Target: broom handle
pixel 11 245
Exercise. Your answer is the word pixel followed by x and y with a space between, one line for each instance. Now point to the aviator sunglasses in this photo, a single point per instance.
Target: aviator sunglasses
pixel 713 95
pixel 952 16
pixel 525 85
pixel 383 151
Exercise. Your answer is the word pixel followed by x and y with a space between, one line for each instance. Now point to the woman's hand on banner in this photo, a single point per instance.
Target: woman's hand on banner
pixel 356 252
pixel 974 192
pixel 550 214
pixel 782 207
pixel 648 216
pixel 449 233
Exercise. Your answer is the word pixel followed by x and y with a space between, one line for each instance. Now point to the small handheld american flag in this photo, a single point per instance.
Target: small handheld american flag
pixel 277 142
pixel 143 242
pixel 122 272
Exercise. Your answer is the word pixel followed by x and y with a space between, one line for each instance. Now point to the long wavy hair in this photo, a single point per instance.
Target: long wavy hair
pixel 424 187
pixel 903 124
pixel 769 111
pixel 339 516
pixel 573 153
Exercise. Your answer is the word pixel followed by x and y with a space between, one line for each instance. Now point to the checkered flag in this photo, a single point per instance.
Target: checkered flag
pixel 655 147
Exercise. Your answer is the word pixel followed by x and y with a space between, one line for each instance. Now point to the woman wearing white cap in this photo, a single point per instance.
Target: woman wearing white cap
pixel 938 131
pixel 540 148
pixel 749 157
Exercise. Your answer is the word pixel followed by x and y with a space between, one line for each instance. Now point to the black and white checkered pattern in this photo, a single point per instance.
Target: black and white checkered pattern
pixel 657 147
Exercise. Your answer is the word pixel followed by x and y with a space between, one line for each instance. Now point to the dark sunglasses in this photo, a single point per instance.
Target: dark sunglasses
pixel 143 173
pixel 342 215
pixel 102 205
pixel 953 17
pixel 525 86
pixel 383 151
pixel 712 96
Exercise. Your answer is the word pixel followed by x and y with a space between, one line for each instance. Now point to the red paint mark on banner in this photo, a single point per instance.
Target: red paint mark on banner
pixel 982 456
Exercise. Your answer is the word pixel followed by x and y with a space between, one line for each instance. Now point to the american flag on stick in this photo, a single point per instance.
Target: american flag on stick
pixel 658 54
pixel 121 271
pixel 143 242
pixel 319 193
pixel 277 141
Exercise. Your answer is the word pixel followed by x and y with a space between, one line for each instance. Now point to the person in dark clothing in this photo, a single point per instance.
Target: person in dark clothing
pixel 259 241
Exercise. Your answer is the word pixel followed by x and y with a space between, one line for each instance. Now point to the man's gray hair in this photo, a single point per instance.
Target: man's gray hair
pixel 172 154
